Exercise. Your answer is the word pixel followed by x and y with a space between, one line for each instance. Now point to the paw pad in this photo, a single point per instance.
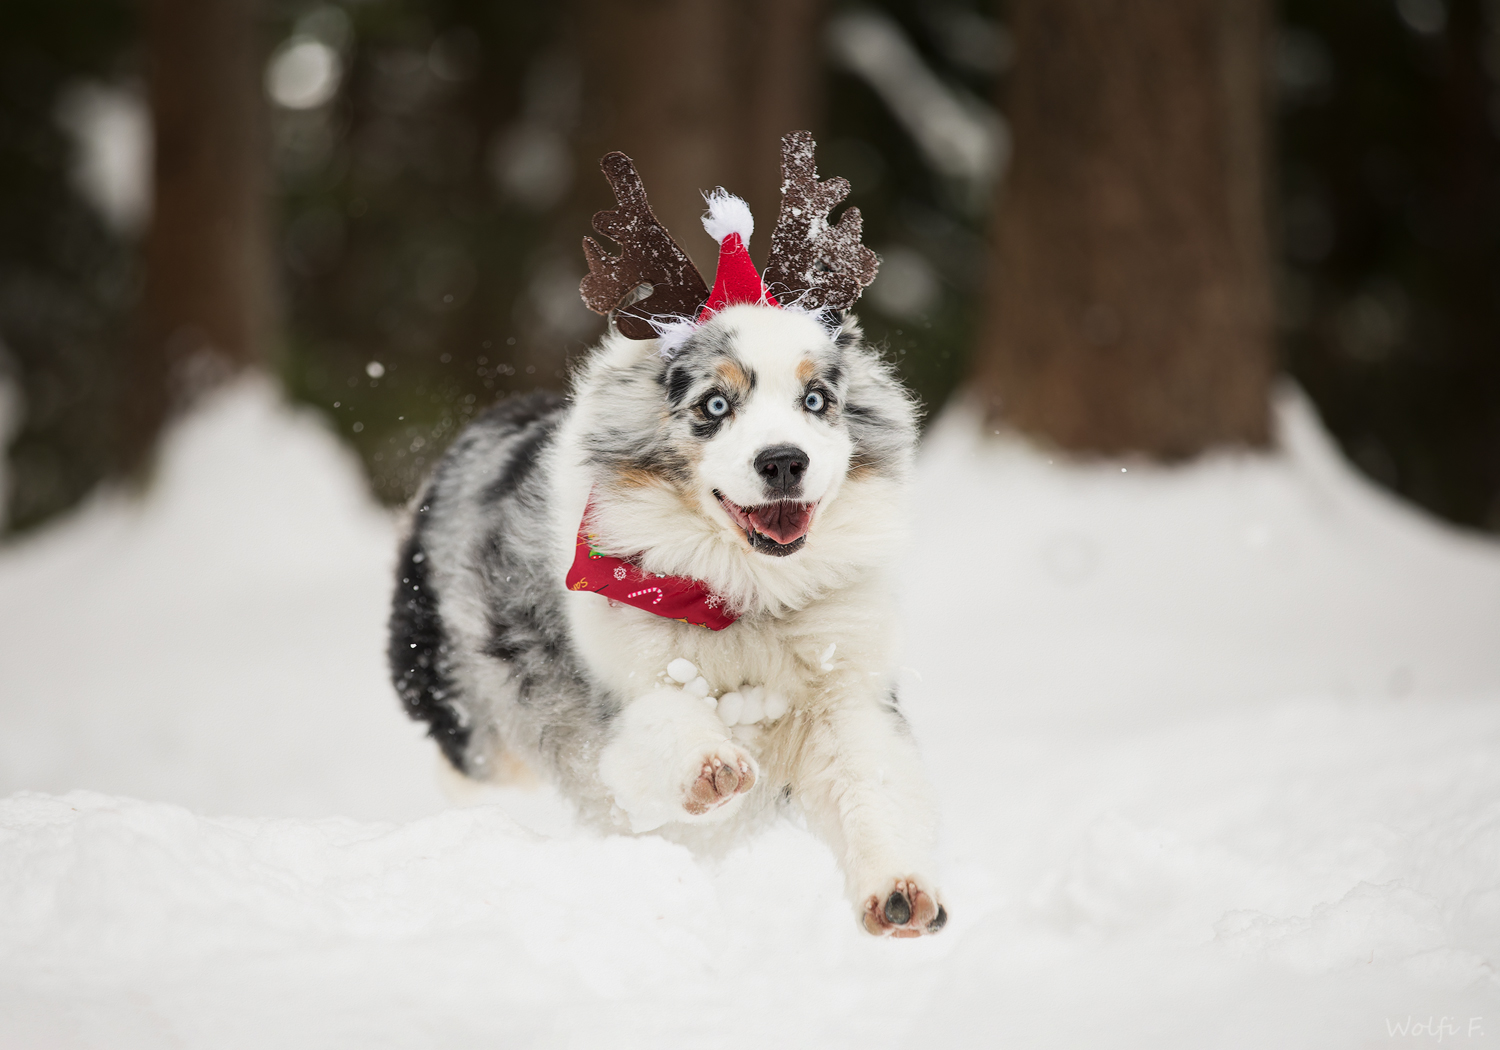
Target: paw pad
pixel 907 910
pixel 718 781
pixel 897 909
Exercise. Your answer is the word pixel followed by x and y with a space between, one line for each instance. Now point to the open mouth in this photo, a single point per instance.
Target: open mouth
pixel 778 528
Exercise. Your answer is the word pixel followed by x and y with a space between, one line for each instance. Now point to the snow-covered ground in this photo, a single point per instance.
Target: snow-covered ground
pixel 1218 750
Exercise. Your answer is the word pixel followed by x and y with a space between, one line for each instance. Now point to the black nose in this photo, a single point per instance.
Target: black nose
pixel 782 467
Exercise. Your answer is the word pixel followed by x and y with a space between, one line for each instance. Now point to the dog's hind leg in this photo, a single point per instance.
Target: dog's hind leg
pixel 861 783
pixel 670 759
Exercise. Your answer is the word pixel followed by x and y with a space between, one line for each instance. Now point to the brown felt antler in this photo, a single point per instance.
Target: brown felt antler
pixel 812 262
pixel 648 256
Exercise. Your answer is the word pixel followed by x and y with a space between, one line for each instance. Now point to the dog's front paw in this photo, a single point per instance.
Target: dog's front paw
pixel 671 760
pixel 903 907
pixel 723 774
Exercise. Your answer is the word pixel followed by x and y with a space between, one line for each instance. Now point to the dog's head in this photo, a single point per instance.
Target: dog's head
pixel 757 410
pixel 761 427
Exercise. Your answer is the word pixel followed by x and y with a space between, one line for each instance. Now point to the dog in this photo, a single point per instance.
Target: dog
pixel 671 591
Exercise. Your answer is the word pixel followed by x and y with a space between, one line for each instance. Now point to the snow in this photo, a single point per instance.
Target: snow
pixel 1215 747
pixel 219 645
pixel 752 708
pixel 753 705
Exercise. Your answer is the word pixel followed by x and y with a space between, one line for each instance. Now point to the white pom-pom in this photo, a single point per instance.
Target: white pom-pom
pixel 681 670
pixel 727 214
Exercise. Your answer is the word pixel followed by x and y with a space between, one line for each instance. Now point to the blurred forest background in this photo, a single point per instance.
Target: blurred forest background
pixel 382 202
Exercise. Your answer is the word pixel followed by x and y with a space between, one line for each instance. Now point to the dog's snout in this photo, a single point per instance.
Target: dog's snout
pixel 781 467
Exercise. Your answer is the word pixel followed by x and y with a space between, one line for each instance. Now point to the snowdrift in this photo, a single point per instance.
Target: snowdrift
pixel 1216 748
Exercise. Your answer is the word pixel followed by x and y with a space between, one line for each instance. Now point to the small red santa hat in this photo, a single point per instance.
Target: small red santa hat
pixel 736 280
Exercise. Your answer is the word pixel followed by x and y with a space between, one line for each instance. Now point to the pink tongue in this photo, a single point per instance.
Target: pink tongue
pixel 783 522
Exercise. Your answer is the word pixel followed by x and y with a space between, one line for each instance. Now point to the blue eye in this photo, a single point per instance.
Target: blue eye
pixel 814 402
pixel 717 405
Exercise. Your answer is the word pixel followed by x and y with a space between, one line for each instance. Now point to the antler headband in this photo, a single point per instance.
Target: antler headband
pixel 652 284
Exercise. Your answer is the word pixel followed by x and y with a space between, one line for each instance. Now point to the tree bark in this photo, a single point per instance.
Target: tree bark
pixel 1130 304
pixel 205 309
pixel 699 93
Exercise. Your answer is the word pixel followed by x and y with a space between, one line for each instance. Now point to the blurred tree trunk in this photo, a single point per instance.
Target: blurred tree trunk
pixel 205 309
pixel 1130 304
pixel 699 93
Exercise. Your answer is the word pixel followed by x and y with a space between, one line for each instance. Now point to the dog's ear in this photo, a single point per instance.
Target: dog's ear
pixel 841 326
pixel 837 323
pixel 649 259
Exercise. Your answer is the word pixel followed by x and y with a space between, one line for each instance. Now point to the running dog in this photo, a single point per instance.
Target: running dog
pixel 671 591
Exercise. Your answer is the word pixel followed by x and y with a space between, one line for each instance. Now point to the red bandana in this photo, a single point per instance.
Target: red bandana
pixel 675 597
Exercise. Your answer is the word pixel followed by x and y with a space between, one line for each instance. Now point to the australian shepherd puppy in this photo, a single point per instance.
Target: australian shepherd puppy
pixel 765 460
